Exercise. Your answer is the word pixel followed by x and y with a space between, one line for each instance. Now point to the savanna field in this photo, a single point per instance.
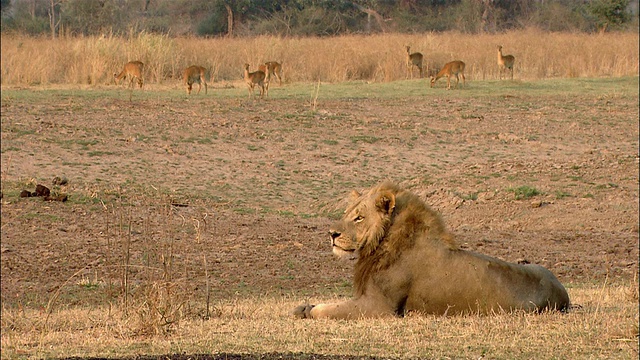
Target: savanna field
pixel 196 224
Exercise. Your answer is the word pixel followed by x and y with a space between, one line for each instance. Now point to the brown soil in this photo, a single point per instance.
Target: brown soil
pixel 251 186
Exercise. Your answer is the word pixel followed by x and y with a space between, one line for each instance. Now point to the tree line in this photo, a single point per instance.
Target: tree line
pixel 310 17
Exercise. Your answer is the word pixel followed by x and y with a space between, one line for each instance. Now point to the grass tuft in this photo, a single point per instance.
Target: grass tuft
pixel 524 192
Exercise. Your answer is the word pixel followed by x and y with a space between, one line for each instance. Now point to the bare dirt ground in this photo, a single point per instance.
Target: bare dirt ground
pixel 251 187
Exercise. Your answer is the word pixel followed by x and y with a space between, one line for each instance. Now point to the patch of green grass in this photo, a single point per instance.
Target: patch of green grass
pixel 84 199
pixel 88 284
pixel 39 216
pixel 86 143
pixel 472 116
pixel 198 140
pixel 471 196
pixel 244 211
pixel 71 143
pixel 365 138
pixel 11 148
pixel 607 186
pixel 20 133
pixel 142 137
pixel 561 194
pixel 99 153
pixel 11 190
pixel 524 192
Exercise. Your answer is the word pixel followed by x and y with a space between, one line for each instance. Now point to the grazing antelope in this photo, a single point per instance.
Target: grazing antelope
pixel 274 68
pixel 453 68
pixel 253 79
pixel 195 74
pixel 414 59
pixel 133 70
pixel 505 62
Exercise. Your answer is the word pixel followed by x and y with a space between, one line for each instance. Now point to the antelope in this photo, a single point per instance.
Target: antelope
pixel 274 68
pixel 505 62
pixel 267 77
pixel 414 59
pixel 133 70
pixel 195 74
pixel 253 79
pixel 453 68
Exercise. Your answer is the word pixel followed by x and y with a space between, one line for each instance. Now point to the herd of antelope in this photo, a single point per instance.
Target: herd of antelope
pixel 455 68
pixel 133 70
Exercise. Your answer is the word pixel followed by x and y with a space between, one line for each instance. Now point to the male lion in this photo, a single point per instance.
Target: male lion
pixel 407 261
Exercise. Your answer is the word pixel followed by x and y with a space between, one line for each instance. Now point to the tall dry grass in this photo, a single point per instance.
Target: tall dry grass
pixel 92 60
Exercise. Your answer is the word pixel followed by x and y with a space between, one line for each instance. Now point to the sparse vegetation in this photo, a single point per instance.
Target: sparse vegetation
pixel 524 192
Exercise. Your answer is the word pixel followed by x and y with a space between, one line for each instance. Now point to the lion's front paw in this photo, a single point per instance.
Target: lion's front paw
pixel 303 311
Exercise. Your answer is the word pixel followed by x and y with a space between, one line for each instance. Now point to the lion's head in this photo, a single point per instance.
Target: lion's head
pixel 379 225
pixel 363 225
pixel 367 221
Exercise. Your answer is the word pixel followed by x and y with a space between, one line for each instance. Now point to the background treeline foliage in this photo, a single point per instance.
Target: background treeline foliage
pixel 311 17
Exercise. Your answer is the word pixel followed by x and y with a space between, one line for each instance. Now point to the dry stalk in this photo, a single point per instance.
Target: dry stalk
pixel 314 102
pixel 601 297
pixel 196 225
pixel 6 170
pixel 206 278
pixel 56 294
pixel 127 262
pixel 108 255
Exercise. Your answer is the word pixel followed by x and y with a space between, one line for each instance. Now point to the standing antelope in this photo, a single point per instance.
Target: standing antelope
pixel 414 59
pixel 453 68
pixel 133 70
pixel 253 79
pixel 505 62
pixel 195 74
pixel 267 77
pixel 274 68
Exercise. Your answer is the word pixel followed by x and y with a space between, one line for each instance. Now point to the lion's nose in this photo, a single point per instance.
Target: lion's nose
pixel 334 235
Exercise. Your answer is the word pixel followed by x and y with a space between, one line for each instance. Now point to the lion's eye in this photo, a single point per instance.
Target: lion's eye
pixel 358 219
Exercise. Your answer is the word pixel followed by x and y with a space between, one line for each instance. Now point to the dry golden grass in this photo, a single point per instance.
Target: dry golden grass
pixel 605 326
pixel 90 60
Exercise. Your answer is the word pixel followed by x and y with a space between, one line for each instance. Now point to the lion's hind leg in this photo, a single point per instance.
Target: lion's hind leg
pixel 351 309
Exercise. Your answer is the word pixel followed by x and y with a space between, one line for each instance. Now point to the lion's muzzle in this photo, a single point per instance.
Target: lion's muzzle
pixel 334 235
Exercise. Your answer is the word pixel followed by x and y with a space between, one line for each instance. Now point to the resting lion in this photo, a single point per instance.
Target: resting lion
pixel 407 261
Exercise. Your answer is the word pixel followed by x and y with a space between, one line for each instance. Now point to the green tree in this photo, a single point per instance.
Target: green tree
pixel 89 17
pixel 5 5
pixel 609 13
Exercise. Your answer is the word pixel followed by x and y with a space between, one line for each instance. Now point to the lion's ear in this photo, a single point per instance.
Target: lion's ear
pixel 386 202
pixel 354 195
